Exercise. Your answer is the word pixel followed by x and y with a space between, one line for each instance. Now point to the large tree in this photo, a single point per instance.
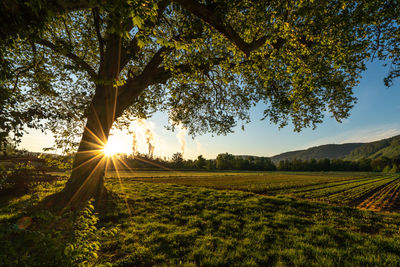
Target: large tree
pixel 204 62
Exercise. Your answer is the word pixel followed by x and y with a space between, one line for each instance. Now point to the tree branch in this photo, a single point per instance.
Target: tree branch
pixel 136 84
pixel 77 60
pixel 210 17
pixel 96 18
pixel 129 52
pixel 66 29
pixel 133 48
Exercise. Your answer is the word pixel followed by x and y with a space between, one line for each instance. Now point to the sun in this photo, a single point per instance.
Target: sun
pixel 109 150
pixel 116 144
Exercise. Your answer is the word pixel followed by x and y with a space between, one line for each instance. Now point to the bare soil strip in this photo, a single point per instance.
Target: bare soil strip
pixel 373 201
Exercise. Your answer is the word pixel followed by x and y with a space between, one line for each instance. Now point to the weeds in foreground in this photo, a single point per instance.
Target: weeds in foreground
pixel 31 237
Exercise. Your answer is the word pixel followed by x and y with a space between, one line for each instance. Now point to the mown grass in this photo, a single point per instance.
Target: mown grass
pixel 167 224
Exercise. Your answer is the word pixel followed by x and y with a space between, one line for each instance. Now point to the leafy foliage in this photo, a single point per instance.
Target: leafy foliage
pixel 206 70
pixel 205 63
pixel 83 250
pixel 40 237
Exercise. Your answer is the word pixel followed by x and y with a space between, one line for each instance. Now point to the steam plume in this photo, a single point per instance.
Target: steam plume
pixel 149 140
pixel 181 138
pixel 149 136
pixel 134 144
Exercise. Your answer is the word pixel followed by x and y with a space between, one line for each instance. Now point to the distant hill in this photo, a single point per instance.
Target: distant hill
pixel 331 151
pixel 389 147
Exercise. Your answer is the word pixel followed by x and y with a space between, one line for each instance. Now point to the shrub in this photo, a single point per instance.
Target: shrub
pixel 83 250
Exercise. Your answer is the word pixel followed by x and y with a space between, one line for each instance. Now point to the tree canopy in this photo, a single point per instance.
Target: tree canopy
pixel 209 61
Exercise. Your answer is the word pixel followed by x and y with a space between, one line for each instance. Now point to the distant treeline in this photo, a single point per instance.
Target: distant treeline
pixel 382 164
pixel 228 161
pixel 223 161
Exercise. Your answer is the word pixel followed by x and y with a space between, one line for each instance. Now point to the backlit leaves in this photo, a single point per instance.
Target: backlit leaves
pixel 302 60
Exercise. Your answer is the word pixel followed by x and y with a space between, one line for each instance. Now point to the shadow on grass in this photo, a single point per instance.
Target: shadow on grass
pixel 35 233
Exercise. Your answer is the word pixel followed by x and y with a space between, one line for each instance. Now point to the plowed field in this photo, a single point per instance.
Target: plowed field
pixel 373 191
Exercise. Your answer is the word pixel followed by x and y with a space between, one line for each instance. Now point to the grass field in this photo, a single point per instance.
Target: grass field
pixel 196 219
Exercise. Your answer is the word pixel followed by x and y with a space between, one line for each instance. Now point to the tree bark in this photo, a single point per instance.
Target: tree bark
pixel 87 177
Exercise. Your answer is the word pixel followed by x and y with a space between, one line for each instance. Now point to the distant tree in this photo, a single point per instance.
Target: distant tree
pixel 210 164
pixel 238 163
pixel 296 165
pixel 224 161
pixel 177 160
pixel 200 162
pixel 7 147
pixel 189 164
pixel 387 169
pixel 324 164
pixel 365 164
pixel 380 164
pixel 284 165
pixel 395 169
pixel 266 164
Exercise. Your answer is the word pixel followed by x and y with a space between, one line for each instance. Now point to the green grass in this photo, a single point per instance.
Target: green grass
pixel 172 224
pixel 167 223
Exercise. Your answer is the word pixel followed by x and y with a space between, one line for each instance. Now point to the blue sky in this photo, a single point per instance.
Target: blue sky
pixel 375 116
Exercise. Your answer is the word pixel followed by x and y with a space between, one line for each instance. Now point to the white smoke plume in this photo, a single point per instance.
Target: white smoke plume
pixel 150 141
pixel 181 138
pixel 134 144
pixel 149 136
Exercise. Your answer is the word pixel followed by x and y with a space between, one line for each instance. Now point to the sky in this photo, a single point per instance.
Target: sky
pixel 375 116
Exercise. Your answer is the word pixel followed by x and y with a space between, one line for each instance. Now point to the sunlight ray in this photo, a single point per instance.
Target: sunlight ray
pixel 84 183
pixel 103 135
pixel 88 161
pixel 93 151
pixel 98 146
pixel 101 142
pixel 122 188
pixel 155 164
pixel 126 166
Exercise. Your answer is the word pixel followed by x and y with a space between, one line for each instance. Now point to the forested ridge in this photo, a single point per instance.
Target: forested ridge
pixel 389 147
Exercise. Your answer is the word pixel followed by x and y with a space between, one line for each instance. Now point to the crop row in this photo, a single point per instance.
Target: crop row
pixel 365 190
pixel 349 192
pixel 384 198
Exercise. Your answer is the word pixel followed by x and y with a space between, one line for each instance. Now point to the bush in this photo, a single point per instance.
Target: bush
pixel 387 169
pixel 18 178
pixel 394 169
pixel 83 251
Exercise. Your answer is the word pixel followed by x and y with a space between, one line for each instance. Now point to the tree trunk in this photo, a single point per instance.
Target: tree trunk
pixel 87 177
